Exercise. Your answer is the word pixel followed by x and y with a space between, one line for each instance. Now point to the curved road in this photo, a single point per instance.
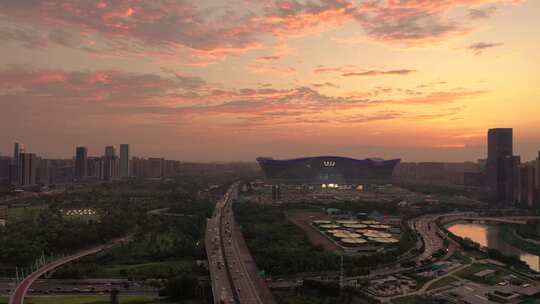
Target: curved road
pixel 22 288
pixel 20 291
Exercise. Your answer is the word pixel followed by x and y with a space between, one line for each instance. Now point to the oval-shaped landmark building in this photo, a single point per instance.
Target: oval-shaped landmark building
pixel 328 169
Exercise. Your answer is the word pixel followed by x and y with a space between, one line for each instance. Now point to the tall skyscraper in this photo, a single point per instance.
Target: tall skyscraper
pixel 81 162
pixel 16 152
pixel 528 193
pixel 27 169
pixel 124 160
pixel 500 143
pixel 538 174
pixel 15 171
pixel 111 164
pixel 516 179
pixel 500 164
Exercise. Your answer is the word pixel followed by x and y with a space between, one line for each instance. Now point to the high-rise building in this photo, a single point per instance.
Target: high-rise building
pixel 538 174
pixel 110 171
pixel 58 170
pixel 154 167
pixel 15 170
pixel 124 161
pixel 528 192
pixel 500 143
pixel 110 151
pixel 5 167
pixel 171 168
pixel 110 165
pixel 138 166
pixel 500 165
pixel 43 171
pixel 95 167
pixel 81 162
pixel 27 169
pixel 516 179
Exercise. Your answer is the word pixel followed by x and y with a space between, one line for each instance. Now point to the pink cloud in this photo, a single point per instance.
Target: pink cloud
pixel 164 26
pixel 52 76
pixel 154 99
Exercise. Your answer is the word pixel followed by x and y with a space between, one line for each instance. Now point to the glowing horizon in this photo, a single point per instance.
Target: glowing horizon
pixel 207 80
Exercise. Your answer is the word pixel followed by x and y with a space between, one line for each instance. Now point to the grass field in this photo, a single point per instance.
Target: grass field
pixel 86 300
pixel 469 274
pixel 18 213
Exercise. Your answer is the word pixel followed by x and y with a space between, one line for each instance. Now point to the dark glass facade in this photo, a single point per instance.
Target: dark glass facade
pixel 501 165
pixel 328 169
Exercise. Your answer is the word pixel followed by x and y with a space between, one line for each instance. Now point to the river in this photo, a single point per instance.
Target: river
pixel 489 236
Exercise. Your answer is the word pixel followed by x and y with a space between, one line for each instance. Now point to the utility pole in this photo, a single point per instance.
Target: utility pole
pixel 341 274
pixel 341 281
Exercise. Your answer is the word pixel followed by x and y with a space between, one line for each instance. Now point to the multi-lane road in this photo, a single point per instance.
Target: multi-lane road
pixel 232 269
pixel 20 291
pixel 427 229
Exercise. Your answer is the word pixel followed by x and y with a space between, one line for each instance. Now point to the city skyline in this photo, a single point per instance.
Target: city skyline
pixel 213 81
pixel 447 154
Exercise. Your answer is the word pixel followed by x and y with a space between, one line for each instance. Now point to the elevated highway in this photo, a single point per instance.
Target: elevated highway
pixel 22 288
pixel 233 272
pixel 520 220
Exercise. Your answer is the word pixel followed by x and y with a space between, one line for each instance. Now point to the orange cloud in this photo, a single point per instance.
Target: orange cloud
pixel 165 27
pixel 377 73
pixel 441 97
pixel 351 70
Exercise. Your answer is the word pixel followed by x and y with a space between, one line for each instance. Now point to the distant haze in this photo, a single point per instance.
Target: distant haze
pixel 243 153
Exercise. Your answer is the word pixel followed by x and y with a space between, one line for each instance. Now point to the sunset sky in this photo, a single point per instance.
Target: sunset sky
pixel 232 80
